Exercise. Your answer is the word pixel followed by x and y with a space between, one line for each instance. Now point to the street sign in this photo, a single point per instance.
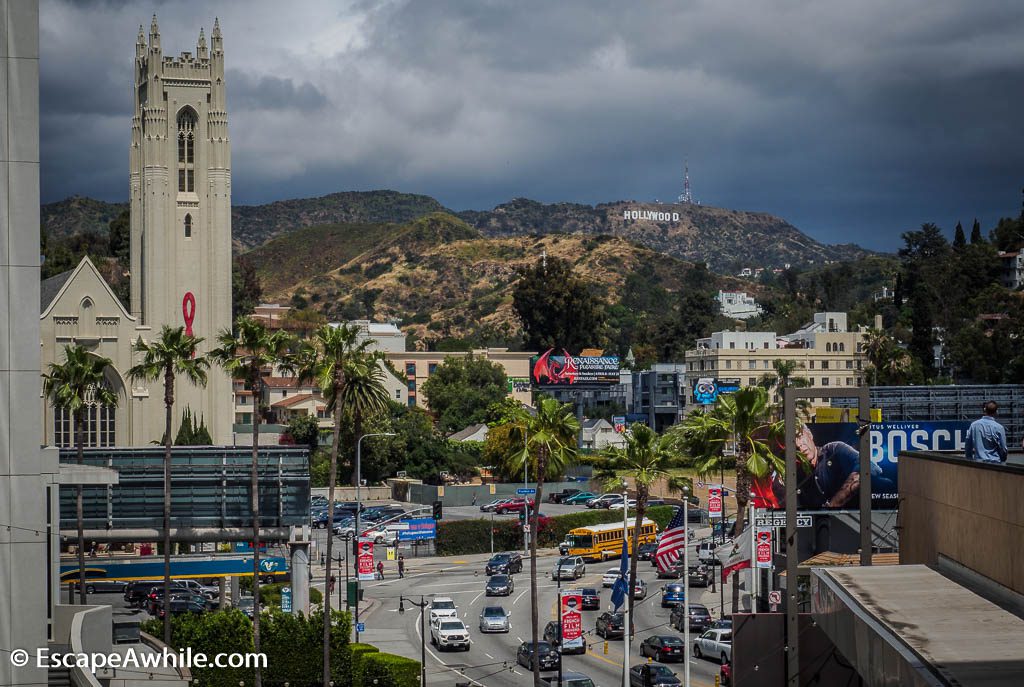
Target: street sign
pixel 286 599
pixel 764 548
pixel 365 559
pixel 524 491
pixel 775 597
pixel 714 502
pixel 360 627
pixel 779 520
pixel 526 528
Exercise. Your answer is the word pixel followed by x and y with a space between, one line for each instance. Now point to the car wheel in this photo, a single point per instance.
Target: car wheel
pixel 378 540
pixel 89 589
pixel 696 652
pixel 659 658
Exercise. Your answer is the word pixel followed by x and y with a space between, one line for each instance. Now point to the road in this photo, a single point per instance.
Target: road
pixel 491 660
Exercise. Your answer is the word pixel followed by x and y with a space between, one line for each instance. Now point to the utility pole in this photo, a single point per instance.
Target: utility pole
pixel 686 588
pixel 630 589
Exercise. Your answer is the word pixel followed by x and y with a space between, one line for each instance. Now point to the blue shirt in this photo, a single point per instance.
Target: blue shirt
pixel 986 441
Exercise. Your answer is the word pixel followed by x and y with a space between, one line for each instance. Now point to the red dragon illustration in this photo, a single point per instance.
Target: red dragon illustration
pixel 553 371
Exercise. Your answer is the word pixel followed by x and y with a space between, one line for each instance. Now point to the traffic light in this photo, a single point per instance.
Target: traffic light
pixel 438 511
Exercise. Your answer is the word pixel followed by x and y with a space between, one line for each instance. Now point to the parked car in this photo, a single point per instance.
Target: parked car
pixel 178 605
pixel 101 585
pixel 617 505
pixel 553 636
pixel 449 633
pixel 544 655
pixel 645 552
pixel 563 548
pixel 672 595
pixel 663 648
pixel 245 605
pixel 652 675
pixel 560 496
pixel 604 501
pixel 640 589
pixel 570 678
pixel 569 568
pixel 610 577
pixel 590 599
pixel 610 625
pixel 493 505
pixel 514 506
pixel 499 585
pixel 507 563
pixel 580 498
pixel 495 619
pixel 700 618
pixel 716 644
pixel 196 588
pixel 136 592
pixel 651 503
pixel 699 576
pixel 443 607
pixel 391 510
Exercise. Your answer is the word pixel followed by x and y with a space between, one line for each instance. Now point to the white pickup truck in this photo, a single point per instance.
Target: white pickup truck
pixel 449 633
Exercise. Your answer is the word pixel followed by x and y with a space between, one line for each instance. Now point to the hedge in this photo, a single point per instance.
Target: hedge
pixel 389 670
pixel 462 537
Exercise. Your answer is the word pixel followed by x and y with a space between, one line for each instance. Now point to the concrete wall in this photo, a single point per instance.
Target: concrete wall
pixel 969 512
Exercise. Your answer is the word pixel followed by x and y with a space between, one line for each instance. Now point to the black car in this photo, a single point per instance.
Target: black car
pixel 504 563
pixel 672 572
pixel 652 675
pixel 722 624
pixel 178 606
pixel 136 592
pixel 546 656
pixel 553 636
pixel 610 625
pixel 700 618
pixel 700 576
pixel 663 648
pixel 101 585
pixel 645 552
pixel 590 599
pixel 499 585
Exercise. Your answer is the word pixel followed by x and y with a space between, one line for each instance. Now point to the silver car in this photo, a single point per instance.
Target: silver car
pixel 569 568
pixel 495 619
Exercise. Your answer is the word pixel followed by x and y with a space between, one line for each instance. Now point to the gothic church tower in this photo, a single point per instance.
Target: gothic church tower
pixel 180 176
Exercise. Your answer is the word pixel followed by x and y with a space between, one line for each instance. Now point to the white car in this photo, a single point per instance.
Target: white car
pixel 449 633
pixel 196 588
pixel 617 505
pixel 443 607
pixel 610 577
pixel 714 644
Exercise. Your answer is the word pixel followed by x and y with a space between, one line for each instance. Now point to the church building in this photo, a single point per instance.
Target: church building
pixel 180 262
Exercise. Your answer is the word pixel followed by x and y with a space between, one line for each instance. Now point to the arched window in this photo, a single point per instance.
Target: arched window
pixel 828 348
pixel 842 348
pixel 187 151
pixel 98 424
pixel 188 226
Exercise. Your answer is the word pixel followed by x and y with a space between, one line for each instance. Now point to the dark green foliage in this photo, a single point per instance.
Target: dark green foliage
pixel 191 433
pixel 959 240
pixel 976 236
pixel 376 668
pixel 1008 234
pixel 119 237
pixel 557 309
pixel 246 290
pixel 460 391
pixel 304 430
pixel 688 316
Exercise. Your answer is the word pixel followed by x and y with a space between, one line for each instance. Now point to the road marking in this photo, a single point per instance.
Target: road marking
pixel 602 658
pixel 521 594
pixel 488 655
pixel 446 584
pixel 475 598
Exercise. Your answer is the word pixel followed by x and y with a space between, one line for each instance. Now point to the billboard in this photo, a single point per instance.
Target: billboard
pixel 572 619
pixel 830 461
pixel 419 529
pixel 707 389
pixel 574 370
pixel 365 560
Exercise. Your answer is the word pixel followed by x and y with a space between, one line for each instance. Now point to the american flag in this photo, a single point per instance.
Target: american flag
pixel 670 548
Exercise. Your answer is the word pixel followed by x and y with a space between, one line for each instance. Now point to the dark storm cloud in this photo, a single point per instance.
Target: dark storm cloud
pixel 854 121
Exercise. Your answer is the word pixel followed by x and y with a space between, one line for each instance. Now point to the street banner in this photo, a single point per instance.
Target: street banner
pixel 365 560
pixel 572 620
pixel 714 502
pixel 763 548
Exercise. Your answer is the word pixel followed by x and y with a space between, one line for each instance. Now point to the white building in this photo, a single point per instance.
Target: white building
pixel 738 305
pixel 1013 269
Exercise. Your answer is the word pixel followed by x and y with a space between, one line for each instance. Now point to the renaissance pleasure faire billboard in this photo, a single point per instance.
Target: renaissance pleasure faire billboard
pixel 548 369
pixel 829 462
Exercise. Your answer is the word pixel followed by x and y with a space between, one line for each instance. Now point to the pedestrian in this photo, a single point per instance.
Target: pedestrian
pixel 986 438
pixel 401 566
pixel 380 570
pixel 474 498
pixel 330 585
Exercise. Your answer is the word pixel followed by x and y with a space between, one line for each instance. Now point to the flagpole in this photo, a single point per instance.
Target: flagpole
pixel 629 586
pixel 686 589
pixel 755 573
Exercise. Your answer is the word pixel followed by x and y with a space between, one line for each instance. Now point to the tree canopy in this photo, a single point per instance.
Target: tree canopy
pixel 462 390
pixel 557 309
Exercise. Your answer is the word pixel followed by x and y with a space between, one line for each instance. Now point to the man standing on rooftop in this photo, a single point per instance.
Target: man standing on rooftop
pixel 986 438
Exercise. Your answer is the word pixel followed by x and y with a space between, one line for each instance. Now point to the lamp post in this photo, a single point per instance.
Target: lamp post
pixel 686 587
pixel 422 605
pixel 627 620
pixel 561 638
pixel 359 507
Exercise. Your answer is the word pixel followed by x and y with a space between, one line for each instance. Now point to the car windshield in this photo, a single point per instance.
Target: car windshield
pixel 671 641
pixel 578 682
pixel 543 647
pixel 589 592
pixel 443 605
pixel 660 671
pixel 244 603
pixel 566 561
pixel 452 626
pixel 674 588
pixel 494 612
pixel 615 617
pixel 499 559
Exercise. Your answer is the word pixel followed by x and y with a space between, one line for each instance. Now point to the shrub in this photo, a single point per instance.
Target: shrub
pixel 389 670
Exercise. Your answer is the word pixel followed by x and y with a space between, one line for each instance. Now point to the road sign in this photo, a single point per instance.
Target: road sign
pixel 523 491
pixel 714 502
pixel 779 520
pixel 775 597
pixel 764 548
pixel 365 558
pixel 360 627
pixel 286 599
pixel 526 528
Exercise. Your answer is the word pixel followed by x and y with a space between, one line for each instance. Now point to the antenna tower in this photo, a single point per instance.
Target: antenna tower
pixel 685 197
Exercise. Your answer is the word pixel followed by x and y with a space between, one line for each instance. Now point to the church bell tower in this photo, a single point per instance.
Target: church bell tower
pixel 180 177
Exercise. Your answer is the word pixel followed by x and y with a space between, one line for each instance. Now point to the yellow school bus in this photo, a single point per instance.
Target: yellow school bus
pixel 605 541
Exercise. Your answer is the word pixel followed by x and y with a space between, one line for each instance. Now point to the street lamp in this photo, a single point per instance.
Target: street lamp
pixel 422 605
pixel 686 587
pixel 359 507
pixel 630 589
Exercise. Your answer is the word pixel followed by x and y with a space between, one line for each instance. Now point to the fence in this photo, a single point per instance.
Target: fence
pixel 463 494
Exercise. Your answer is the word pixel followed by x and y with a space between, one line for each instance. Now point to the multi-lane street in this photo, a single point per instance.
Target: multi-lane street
pixel 492 657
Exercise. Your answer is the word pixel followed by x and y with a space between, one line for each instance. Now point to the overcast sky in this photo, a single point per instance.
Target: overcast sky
pixel 855 121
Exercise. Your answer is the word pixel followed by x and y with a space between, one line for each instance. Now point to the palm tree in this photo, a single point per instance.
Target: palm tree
pixel 646 459
pixel 744 417
pixel 328 358
pixel 244 355
pixel 887 362
pixel 784 376
pixel 172 354
pixel 548 438
pixel 73 386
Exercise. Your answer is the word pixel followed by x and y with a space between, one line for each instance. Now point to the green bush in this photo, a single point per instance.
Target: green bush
pixel 389 670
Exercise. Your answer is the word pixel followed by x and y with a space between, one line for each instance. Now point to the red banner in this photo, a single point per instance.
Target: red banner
pixel 714 502
pixel 572 620
pixel 365 559
pixel 764 548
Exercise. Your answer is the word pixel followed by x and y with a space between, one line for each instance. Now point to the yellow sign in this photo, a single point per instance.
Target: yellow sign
pixel 440 492
pixel 392 555
pixel 843 414
pixel 490 489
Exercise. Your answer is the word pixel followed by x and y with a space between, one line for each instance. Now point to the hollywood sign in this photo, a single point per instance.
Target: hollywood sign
pixel 651 215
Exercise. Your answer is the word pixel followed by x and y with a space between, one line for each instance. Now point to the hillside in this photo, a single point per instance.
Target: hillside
pixel 440 277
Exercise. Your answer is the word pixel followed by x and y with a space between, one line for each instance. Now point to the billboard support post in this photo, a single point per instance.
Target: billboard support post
pixel 790 396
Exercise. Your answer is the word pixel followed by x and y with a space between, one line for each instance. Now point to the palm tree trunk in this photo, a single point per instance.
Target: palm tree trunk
pixel 257 386
pixel 332 479
pixel 168 406
pixel 80 446
pixel 542 465
pixel 641 508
